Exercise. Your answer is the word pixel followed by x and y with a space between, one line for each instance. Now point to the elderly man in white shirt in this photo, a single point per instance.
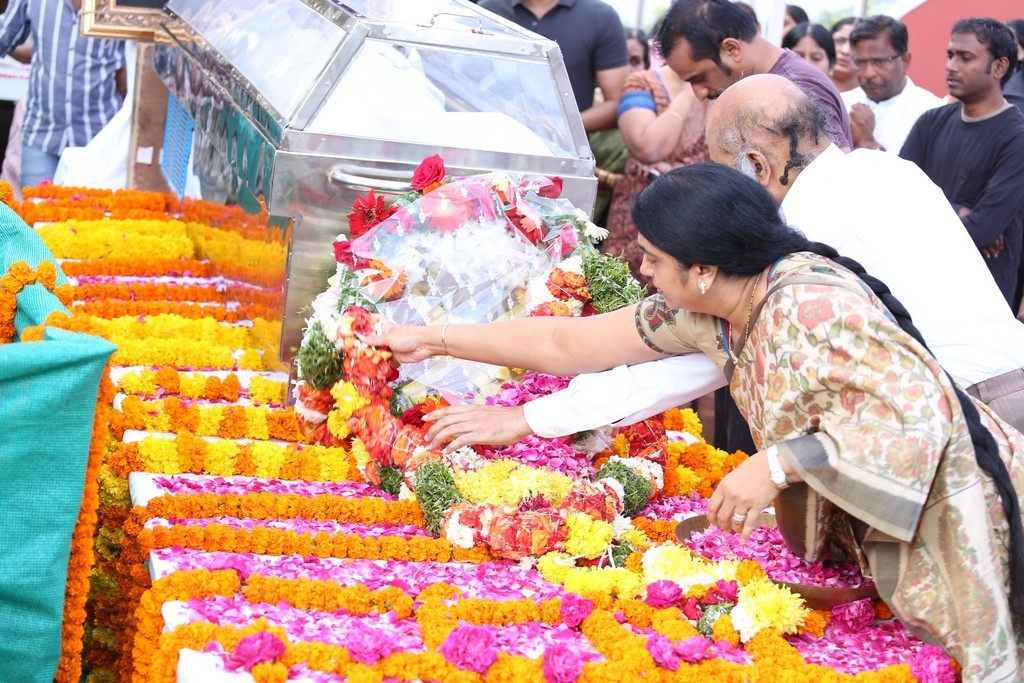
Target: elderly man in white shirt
pixel 901 229
pixel 887 104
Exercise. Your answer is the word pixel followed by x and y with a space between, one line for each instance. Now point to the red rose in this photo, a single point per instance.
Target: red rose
pixel 551 189
pixel 413 416
pixel 368 212
pixel 691 609
pixel 343 253
pixel 429 172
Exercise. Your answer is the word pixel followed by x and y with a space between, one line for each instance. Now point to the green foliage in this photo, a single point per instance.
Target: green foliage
pixel 391 480
pixel 436 492
pixel 637 488
pixel 579 439
pixel 102 583
pixel 611 284
pixel 107 543
pixel 351 294
pixel 400 402
pixel 620 553
pixel 319 361
pixel 103 674
pixel 707 620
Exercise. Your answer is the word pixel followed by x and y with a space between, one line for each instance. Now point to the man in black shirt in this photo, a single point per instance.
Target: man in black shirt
pixel 1014 88
pixel 593 44
pixel 974 149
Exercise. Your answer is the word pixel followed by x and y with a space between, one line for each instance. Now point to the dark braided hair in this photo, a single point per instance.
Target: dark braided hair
pixel 714 215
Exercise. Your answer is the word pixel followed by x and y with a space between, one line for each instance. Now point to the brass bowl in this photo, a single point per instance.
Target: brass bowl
pixel 816 597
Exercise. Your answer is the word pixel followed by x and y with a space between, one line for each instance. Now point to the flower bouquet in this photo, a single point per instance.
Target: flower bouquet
pixel 473 249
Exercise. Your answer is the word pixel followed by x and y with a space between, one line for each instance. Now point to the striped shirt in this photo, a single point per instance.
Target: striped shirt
pixel 71 88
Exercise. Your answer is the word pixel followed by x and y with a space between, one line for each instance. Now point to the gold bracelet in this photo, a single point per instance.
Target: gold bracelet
pixel 676 114
pixel 444 331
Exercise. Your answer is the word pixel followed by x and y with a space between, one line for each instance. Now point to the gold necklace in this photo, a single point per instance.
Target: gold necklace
pixel 746 326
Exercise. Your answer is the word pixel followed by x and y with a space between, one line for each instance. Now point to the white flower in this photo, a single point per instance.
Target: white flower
pixel 460 535
pixel 573 264
pixel 647 469
pixel 744 622
pixel 406 493
pixel 465 459
pixel 325 307
pixel 621 525
pixel 590 229
pixel 528 563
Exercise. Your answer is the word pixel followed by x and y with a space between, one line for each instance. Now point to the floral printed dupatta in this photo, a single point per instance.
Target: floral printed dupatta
pixel 872 424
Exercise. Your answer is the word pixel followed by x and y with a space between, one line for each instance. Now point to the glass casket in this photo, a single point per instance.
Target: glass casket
pixel 300 106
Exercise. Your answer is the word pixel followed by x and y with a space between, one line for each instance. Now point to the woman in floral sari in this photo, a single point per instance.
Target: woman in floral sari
pixel 868 449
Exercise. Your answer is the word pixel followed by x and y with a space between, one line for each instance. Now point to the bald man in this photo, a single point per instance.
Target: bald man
pixel 900 228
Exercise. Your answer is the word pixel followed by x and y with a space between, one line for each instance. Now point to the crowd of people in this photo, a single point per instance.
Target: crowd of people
pixel 848 264
pixel 660 86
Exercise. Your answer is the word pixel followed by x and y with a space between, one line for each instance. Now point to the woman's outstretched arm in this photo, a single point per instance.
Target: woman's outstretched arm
pixel 557 346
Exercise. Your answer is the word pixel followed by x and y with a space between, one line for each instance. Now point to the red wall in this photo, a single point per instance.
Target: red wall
pixel 929 26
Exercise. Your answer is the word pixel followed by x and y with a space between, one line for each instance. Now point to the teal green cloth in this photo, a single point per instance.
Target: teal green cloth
pixel 48 393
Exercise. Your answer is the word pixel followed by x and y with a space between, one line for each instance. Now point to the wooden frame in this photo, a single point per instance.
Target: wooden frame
pixel 128 20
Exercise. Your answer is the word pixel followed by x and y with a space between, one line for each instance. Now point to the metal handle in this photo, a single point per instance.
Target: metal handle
pixel 479 24
pixel 340 177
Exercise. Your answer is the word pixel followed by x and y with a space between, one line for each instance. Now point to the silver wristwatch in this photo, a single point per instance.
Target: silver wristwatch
pixel 775 471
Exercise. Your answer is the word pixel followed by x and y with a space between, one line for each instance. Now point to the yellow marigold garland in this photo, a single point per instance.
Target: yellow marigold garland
pixel 187 453
pixel 226 421
pixel 121 238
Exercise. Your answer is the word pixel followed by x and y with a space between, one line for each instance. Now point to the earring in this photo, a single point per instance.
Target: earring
pixel 703 287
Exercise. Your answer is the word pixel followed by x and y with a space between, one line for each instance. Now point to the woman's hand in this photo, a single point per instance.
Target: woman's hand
pixel 465 425
pixel 742 495
pixel 408 343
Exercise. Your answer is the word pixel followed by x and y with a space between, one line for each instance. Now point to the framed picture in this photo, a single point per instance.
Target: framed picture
pixel 140 20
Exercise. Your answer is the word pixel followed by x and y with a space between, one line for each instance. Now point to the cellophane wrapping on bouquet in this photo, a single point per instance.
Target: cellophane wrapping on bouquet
pixel 474 250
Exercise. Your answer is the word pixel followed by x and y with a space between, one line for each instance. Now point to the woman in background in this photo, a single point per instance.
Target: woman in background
pixel 608 147
pixel 794 15
pixel 662 122
pixel 814 43
pixel 844 73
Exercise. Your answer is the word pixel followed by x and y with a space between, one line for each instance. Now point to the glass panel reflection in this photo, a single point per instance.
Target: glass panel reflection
pixel 438 96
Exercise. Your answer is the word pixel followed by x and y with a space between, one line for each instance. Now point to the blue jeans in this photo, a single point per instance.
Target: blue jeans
pixel 37 165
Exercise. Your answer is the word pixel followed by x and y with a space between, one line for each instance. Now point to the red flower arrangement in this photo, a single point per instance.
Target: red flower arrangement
pixel 429 174
pixel 368 212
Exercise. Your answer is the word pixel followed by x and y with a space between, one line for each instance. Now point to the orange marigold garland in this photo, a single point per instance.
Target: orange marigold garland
pixel 81 559
pixel 19 276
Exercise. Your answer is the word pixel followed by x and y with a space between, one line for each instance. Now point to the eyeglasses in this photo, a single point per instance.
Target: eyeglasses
pixel 877 62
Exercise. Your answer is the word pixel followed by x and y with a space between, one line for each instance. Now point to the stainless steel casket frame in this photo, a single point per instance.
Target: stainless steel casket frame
pixel 300 106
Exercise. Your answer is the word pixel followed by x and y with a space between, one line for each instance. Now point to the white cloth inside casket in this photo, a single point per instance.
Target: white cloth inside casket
pixel 384 94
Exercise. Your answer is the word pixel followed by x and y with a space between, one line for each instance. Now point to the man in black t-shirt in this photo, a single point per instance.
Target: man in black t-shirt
pixel 592 40
pixel 974 149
